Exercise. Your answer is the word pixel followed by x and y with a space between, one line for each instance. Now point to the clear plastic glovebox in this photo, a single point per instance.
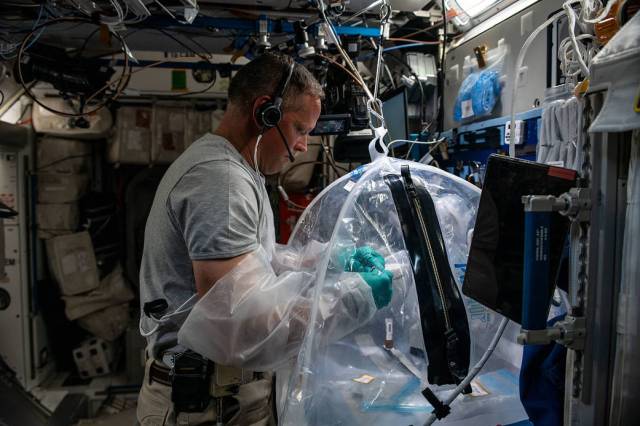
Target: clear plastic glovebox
pixel 357 380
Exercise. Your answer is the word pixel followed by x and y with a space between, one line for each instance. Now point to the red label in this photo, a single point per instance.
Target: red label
pixel 561 173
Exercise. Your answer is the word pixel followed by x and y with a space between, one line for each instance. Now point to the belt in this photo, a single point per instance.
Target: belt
pixel 226 406
pixel 159 373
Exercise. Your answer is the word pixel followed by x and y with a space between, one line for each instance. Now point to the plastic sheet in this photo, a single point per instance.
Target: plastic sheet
pixel 478 95
pixel 261 327
pixel 480 90
pixel 374 375
pixel 256 316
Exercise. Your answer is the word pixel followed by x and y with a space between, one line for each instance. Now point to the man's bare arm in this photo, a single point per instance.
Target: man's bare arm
pixel 208 272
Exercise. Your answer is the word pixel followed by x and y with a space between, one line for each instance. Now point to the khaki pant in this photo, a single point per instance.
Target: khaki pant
pixel 156 409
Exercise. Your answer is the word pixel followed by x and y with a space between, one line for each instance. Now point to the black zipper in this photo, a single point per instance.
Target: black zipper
pixel 411 190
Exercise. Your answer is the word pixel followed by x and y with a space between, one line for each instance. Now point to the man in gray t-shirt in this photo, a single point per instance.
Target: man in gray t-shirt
pixel 210 211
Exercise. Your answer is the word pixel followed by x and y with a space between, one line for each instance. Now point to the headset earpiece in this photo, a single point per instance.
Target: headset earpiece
pixel 269 114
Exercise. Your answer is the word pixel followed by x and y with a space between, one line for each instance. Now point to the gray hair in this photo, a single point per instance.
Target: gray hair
pixel 263 74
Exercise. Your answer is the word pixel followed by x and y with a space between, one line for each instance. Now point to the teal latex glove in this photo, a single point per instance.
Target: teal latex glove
pixel 370 264
pixel 363 259
pixel 381 288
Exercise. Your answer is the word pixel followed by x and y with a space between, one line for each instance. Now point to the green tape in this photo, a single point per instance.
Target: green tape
pixel 179 80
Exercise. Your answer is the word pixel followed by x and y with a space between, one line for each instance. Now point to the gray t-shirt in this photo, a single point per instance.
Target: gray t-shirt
pixel 210 204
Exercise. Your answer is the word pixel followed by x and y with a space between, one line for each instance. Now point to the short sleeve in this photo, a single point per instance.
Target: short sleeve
pixel 215 205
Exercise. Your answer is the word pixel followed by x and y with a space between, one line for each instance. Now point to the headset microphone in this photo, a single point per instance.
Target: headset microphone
pixel 269 114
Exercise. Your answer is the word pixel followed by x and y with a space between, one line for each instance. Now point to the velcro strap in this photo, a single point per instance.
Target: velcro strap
pixel 159 373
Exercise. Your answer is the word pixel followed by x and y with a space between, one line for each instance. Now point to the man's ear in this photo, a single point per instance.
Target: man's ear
pixel 257 103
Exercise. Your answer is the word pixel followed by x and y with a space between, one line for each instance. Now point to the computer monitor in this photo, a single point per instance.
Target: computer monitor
pixel 494 272
pixel 394 109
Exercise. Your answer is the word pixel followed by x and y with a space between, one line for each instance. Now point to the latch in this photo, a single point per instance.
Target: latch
pixel 569 332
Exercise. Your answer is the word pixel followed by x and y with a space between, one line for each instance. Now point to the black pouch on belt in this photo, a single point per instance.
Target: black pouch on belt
pixel 190 382
pixel 442 314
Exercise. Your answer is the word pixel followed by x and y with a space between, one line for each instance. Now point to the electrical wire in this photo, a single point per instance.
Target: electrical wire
pixel 389 75
pixel 344 68
pixel 362 11
pixel 569 64
pixel 600 17
pixel 201 56
pixel 433 26
pixel 572 34
pixel 6 54
pixel 433 142
pixel 407 40
pixel 518 66
pixel 346 57
pixel 106 86
pixel 415 76
pixel 22 113
pixel 404 46
pixel 24 46
pixel 474 371
pixel 69 157
pixel 329 154
pixel 441 80
pixel 282 176
pixel 385 13
pixel 151 65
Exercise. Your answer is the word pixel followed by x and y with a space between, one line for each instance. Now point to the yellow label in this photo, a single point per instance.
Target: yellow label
pixel 636 103
pixel 364 379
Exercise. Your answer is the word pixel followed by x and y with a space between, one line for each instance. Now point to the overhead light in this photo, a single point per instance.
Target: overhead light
pixel 302 41
pixel 263 34
pixel 474 8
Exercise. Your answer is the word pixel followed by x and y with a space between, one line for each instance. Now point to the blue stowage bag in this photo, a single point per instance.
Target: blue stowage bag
pixel 478 95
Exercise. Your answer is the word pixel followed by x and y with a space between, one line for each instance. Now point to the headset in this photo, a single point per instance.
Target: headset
pixel 269 114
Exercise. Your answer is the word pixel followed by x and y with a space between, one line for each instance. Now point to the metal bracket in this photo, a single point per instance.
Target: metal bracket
pixel 578 204
pixel 575 204
pixel 569 332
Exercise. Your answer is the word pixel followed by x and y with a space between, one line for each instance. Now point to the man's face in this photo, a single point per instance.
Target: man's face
pixel 296 124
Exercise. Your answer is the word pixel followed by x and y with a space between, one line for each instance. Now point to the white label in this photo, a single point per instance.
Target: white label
pixel 477 389
pixel 349 186
pixel 467 109
pixel 518 134
pixel 556 163
pixel 388 322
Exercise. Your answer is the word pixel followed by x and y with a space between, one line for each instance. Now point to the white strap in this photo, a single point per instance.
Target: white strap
pixel 179 310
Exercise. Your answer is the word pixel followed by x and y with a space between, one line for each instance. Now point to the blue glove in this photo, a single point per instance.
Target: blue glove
pixel 370 264
pixel 381 288
pixel 364 259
